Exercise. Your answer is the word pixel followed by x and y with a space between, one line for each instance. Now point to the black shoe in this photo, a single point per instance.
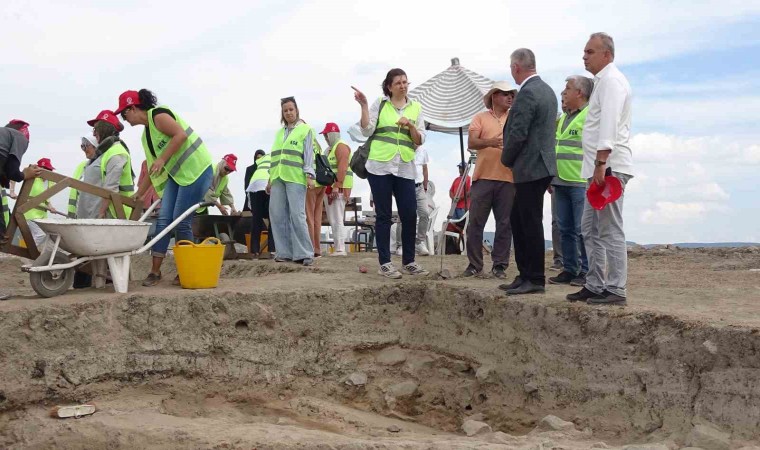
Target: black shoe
pixel 608 298
pixel 470 272
pixel 562 278
pixel 499 272
pixel 583 295
pixel 516 283
pixel 580 280
pixel 527 288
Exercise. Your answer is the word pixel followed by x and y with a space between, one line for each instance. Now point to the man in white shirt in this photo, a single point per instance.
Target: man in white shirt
pixel 606 151
pixel 421 160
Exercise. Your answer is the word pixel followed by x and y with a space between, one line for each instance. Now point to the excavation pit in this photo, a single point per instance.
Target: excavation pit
pixel 281 357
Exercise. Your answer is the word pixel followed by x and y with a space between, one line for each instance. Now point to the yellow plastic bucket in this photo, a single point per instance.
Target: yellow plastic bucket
pixel 199 265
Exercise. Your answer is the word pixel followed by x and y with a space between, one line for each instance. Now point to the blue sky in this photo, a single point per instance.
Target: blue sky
pixel 693 67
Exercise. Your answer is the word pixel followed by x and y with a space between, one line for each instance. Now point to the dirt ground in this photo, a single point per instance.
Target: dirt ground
pixel 282 356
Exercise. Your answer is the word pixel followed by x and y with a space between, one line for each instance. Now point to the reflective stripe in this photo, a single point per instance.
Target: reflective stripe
pixel 570 156
pixel 189 131
pixel 288 152
pixel 567 143
pixel 394 130
pixel 287 163
pixel 394 141
pixel 129 188
pixel 189 152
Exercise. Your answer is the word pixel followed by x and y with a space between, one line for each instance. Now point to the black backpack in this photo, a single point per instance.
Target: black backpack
pixel 323 172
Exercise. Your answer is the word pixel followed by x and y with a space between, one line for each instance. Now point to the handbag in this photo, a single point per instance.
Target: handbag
pixel 359 159
pixel 323 172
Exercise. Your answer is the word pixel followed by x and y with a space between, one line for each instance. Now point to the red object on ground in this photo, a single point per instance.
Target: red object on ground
pixel 601 196
pixel 362 269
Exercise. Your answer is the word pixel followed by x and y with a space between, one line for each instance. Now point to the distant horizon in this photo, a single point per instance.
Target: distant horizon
pixel 489 235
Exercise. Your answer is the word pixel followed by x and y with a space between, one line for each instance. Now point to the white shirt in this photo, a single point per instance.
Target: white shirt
pixel 420 159
pixel 395 166
pixel 524 81
pixel 608 122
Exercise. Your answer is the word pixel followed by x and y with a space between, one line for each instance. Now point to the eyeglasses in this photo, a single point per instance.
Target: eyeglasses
pixel 287 99
pixel 83 147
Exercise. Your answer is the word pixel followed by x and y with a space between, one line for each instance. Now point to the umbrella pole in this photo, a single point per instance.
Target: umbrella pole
pixel 461 144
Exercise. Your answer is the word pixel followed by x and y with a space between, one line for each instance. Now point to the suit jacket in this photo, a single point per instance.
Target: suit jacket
pixel 529 134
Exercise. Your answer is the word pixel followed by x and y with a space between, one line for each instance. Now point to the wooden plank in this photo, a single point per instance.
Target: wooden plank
pixel 116 202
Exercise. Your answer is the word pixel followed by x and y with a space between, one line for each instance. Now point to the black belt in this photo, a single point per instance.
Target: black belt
pixel 417 184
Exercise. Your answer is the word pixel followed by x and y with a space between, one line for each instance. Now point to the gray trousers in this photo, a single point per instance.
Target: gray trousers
pixel 606 249
pixel 487 195
pixel 423 214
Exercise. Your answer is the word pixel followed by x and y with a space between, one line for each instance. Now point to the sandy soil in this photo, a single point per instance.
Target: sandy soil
pixel 281 356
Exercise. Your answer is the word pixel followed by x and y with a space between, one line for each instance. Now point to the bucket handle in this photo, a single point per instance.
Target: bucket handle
pixel 184 242
pixel 211 241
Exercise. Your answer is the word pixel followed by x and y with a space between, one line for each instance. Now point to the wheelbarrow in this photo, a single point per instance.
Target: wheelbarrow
pixel 114 240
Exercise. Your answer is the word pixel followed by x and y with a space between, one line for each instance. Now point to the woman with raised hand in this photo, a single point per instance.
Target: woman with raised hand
pixel 180 167
pixel 395 126
pixel 291 173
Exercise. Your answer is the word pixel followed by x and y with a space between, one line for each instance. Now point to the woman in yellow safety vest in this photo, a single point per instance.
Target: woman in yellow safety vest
pixel 258 202
pixel 291 173
pixel 180 167
pixel 395 126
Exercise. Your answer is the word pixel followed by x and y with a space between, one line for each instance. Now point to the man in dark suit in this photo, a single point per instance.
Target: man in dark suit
pixel 529 136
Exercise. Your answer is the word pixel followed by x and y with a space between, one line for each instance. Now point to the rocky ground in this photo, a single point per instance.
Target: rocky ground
pixel 282 356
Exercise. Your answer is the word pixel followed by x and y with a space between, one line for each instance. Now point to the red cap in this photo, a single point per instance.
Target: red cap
pixel 24 127
pixel 45 164
pixel 330 128
pixel 127 99
pixel 231 161
pixel 109 117
pixel 601 196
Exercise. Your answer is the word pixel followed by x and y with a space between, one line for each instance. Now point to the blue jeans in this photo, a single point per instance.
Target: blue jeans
pixel 287 216
pixel 175 201
pixel 459 213
pixel 569 202
pixel 384 188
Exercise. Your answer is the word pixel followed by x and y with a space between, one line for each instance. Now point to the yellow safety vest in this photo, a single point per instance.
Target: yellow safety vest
pixel 287 155
pixel 126 182
pixel 186 165
pixel 570 148
pixel 390 138
pixel 6 209
pixel 262 168
pixel 348 182
pixel 37 188
pixel 217 192
pixel 74 193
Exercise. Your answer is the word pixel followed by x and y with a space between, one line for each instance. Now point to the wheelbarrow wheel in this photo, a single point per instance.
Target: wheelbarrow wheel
pixel 51 283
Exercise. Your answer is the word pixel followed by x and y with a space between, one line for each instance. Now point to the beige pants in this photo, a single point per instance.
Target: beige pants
pixel 314 199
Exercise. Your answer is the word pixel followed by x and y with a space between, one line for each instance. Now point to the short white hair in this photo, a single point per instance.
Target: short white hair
pixel 607 42
pixel 525 58
pixel 583 84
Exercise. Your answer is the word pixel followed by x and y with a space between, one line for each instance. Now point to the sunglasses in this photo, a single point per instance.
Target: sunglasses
pixel 287 99
pixel 124 113
pixel 83 147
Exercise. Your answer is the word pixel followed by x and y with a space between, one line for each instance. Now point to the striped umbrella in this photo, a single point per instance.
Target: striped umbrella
pixel 451 99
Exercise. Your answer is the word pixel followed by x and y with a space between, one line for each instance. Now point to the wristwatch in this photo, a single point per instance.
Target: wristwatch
pixel 598 163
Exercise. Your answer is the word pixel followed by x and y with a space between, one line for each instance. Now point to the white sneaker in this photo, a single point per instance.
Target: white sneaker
pixel 388 270
pixel 415 269
pixel 399 251
pixel 338 254
pixel 421 249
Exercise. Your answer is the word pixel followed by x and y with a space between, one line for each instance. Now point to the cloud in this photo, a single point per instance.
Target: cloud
pixel 669 213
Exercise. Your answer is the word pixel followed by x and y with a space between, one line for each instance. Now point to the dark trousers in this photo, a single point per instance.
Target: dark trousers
pixel 259 211
pixel 384 188
pixel 487 195
pixel 528 229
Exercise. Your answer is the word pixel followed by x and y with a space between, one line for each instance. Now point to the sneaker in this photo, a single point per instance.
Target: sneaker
pixel 317 256
pixel 499 272
pixel 5 295
pixel 608 298
pixel 308 261
pixel 579 281
pixel 563 278
pixel 471 272
pixel 388 270
pixel 557 266
pixel 278 259
pixel 421 249
pixel 415 269
pixel 338 254
pixel 152 279
pixel 399 252
pixel 583 295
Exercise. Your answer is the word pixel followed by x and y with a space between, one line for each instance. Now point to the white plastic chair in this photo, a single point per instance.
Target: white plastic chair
pixel 443 233
pixel 430 241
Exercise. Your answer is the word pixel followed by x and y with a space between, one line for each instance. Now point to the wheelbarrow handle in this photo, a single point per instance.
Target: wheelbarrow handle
pixel 149 211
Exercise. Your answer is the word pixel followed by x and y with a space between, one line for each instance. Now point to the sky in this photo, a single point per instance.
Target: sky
pixel 693 67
